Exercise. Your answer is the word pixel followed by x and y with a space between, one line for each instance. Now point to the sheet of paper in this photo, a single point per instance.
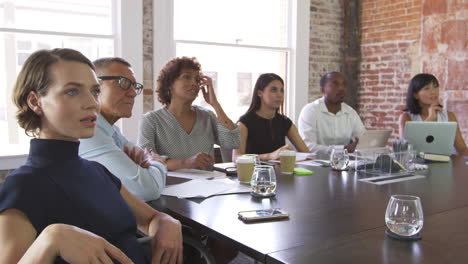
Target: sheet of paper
pixel 196 174
pixel 321 163
pixel 300 156
pixel 205 188
pixel 309 163
pixel 224 166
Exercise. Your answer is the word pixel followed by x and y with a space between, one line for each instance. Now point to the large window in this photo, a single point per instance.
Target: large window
pixel 235 41
pixel 29 25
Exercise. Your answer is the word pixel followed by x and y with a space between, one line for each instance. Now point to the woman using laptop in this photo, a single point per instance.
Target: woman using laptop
pixel 422 104
pixel 263 129
pixel 58 207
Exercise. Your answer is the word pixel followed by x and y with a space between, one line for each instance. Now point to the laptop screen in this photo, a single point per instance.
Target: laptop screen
pixel 431 137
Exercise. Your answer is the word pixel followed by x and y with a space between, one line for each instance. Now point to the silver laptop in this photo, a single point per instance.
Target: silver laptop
pixel 374 139
pixel 431 137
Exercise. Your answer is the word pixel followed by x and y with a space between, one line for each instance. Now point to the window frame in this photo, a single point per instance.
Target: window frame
pixel 128 44
pixel 298 50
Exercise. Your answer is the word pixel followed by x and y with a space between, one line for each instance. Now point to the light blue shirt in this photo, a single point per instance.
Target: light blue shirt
pixel 106 147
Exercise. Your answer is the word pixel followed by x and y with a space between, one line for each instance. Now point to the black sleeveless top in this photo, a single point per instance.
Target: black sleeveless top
pixel 265 135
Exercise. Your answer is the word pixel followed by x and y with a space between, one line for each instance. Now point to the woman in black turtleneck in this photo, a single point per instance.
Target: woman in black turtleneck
pixel 59 208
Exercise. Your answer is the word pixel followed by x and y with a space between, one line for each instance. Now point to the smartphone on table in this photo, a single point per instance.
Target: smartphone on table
pixel 261 215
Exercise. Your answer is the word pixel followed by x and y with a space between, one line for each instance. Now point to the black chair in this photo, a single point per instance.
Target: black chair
pixel 193 249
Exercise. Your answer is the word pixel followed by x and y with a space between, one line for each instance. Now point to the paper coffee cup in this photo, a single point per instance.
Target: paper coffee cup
pixel 245 167
pixel 287 161
pixel 254 156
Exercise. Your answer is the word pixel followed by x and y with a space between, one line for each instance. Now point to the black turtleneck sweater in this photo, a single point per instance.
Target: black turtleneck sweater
pixel 57 186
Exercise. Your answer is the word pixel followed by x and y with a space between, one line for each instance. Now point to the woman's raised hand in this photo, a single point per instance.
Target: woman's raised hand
pixel 76 245
pixel 206 86
pixel 433 110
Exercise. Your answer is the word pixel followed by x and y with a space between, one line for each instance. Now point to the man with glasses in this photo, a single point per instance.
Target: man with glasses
pixel 142 172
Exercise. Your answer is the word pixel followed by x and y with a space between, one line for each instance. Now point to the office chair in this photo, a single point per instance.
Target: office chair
pixel 189 244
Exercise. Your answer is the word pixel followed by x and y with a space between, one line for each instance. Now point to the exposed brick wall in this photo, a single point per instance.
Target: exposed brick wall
pixel 326 47
pixel 444 46
pixel 148 55
pixel 390 36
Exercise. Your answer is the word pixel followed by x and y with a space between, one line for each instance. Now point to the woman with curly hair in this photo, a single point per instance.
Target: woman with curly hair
pixel 184 132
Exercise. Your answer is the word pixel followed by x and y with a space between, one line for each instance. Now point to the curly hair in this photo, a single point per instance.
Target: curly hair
pixel 35 77
pixel 170 72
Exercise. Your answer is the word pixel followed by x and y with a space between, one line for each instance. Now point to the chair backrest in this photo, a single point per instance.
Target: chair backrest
pixel 190 244
pixel 226 154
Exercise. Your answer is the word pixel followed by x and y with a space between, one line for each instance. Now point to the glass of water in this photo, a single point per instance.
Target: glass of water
pixel 339 158
pixel 404 215
pixel 263 181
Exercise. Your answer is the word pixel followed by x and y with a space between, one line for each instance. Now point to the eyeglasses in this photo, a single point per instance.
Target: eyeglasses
pixel 124 83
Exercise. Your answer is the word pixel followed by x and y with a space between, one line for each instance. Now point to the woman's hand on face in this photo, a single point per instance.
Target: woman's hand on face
pixel 433 110
pixel 200 160
pixel 206 86
pixel 137 155
pixel 167 242
pixel 76 245
pixel 276 154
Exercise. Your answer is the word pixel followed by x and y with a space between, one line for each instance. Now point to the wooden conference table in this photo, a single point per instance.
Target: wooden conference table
pixel 335 218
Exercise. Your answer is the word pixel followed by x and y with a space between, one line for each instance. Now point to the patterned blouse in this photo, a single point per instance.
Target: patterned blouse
pixel 161 132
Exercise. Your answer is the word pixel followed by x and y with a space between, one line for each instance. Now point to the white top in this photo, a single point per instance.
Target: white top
pixel 320 128
pixel 442 116
pixel 161 132
pixel 106 147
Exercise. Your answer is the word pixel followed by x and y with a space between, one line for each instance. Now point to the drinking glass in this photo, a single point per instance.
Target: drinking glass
pixel 339 158
pixel 263 181
pixel 404 215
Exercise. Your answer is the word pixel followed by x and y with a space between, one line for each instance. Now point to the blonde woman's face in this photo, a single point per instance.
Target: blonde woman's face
pixel 70 106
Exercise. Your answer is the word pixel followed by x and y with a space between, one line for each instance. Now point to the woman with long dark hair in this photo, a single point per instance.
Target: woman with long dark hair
pixel 263 128
pixel 422 104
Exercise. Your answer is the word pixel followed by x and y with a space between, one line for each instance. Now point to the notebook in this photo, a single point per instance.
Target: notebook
pixel 374 139
pixel 431 137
